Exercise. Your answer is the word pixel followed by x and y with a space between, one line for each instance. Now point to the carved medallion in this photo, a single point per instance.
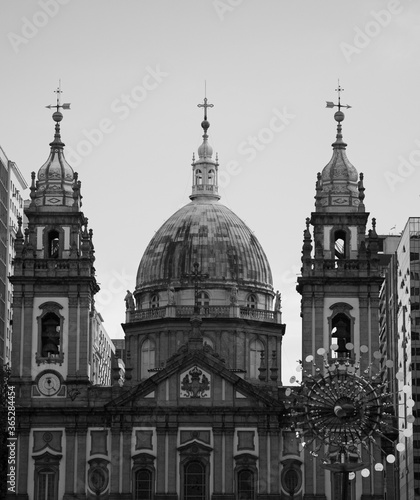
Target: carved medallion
pixel 195 383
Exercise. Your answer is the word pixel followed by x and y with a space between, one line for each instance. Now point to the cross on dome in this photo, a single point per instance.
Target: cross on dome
pixel 197 276
pixel 205 106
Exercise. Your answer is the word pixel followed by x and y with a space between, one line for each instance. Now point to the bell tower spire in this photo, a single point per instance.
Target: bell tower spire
pixel 340 276
pixel 338 184
pixel 340 273
pixel 205 169
pixel 54 186
pixel 54 282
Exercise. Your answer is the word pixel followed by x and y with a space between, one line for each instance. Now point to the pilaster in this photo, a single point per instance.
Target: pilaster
pixel 23 458
pixel 115 460
pixel 70 459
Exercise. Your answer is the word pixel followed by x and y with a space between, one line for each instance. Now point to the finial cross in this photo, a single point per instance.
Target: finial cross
pixel 205 106
pixel 339 89
pixel 330 104
pixel 197 276
pixel 58 91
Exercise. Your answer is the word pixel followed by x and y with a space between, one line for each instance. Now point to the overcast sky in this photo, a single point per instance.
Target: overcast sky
pixel 134 72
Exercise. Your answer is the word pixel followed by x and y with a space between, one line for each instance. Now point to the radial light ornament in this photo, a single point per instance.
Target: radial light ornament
pixel 341 409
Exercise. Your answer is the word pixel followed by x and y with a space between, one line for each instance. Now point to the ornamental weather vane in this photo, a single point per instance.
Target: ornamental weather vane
pixel 330 104
pixel 65 105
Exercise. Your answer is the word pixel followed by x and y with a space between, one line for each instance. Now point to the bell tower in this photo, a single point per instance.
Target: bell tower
pixel 340 273
pixel 340 279
pixel 54 282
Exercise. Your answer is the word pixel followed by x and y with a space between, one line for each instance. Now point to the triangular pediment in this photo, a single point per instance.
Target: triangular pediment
pixel 197 379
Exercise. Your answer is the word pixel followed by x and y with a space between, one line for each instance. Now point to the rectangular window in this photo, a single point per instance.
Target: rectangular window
pixel 46 485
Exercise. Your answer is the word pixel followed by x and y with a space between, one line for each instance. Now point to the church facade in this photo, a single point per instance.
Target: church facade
pixel 202 413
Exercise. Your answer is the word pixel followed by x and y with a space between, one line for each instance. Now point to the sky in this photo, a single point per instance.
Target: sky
pixel 134 72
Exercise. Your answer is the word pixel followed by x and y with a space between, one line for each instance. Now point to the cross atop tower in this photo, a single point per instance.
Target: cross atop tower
pixel 339 89
pixel 330 104
pixel 205 106
pixel 197 276
pixel 65 105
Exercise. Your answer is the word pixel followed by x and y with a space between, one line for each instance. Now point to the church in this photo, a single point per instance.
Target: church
pixel 202 413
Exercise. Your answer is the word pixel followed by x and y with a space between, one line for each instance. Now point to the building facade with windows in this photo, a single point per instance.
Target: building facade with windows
pixel 407 356
pixel 103 351
pixel 191 405
pixel 199 414
pixel 12 187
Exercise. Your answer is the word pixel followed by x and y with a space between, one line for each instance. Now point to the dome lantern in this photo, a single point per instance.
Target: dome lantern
pixel 205 169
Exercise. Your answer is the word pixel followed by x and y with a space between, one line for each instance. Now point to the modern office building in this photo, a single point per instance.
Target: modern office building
pixel 12 186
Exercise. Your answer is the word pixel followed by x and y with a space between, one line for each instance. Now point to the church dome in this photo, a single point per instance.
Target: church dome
pixel 206 232
pixel 204 253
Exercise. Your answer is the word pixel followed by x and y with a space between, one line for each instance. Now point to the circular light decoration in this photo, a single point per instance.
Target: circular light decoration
pixel 408 432
pixel 341 407
pixel 365 472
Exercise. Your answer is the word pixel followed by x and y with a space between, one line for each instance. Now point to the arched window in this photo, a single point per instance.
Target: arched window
pixel 341 334
pixel 198 177
pixel 53 244
pixel 143 485
pixel 246 485
pixel 147 358
pixel 194 481
pixel 251 302
pixel 154 301
pixel 203 299
pixel 50 335
pixel 255 349
pixel 211 177
pixel 340 245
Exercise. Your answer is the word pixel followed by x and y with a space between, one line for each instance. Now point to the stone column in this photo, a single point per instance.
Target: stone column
pixel 218 462
pixel 172 461
pixel 73 327
pixel 81 438
pixel 115 461
pixel 262 458
pixel 30 335
pixel 84 333
pixel 23 459
pixel 229 472
pixel 160 461
pixel 126 458
pixel 70 458
pixel 274 462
